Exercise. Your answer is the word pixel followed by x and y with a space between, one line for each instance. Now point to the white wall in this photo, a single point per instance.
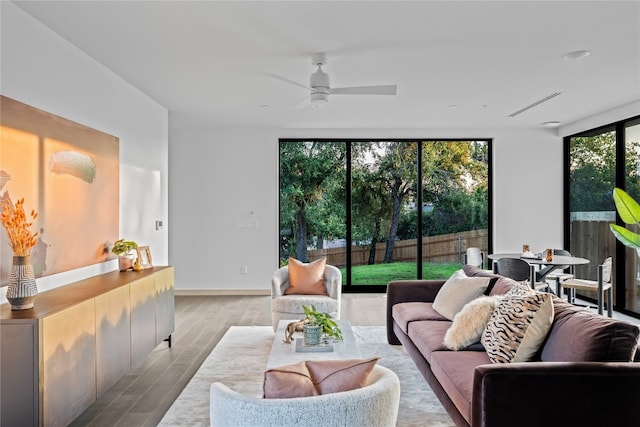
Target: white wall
pixel 221 176
pixel 41 69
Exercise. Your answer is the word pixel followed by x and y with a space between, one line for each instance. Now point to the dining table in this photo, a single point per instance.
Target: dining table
pixel 546 266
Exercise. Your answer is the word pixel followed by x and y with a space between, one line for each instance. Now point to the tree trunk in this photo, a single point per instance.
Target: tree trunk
pixel 301 237
pixel 396 198
pixel 374 243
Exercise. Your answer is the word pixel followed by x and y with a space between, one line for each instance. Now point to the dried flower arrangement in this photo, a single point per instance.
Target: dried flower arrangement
pixel 18 226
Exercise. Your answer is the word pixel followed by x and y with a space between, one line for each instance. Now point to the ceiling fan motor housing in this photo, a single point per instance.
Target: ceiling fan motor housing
pixel 319 80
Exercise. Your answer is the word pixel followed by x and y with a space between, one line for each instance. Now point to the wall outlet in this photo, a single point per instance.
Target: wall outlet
pixel 244 269
pixel 159 224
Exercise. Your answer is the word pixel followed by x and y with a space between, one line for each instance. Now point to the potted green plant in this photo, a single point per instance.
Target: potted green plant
pixel 125 251
pixel 629 211
pixel 321 321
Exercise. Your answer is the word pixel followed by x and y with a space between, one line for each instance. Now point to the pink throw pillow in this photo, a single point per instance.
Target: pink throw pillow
pixel 306 279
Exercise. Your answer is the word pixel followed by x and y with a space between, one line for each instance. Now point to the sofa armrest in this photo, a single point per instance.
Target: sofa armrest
pixel 399 291
pixel 556 393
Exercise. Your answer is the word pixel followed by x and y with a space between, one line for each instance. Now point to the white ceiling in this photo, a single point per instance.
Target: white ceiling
pixel 208 62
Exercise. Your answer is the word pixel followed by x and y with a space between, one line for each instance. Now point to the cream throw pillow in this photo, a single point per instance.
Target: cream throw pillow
pixel 458 291
pixel 469 323
pixel 306 279
pixel 518 326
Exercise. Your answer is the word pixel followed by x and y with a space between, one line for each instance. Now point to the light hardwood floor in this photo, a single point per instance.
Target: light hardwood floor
pixel 142 397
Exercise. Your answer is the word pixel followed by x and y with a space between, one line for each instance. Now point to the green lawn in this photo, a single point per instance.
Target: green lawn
pixel 381 274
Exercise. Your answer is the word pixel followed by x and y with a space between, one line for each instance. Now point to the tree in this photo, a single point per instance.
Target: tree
pixel 370 207
pixel 455 183
pixel 592 177
pixel 397 168
pixel 308 171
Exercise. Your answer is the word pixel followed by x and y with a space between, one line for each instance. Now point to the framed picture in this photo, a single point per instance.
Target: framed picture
pixel 145 256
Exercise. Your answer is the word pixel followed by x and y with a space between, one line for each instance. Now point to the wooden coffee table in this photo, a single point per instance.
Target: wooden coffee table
pixel 285 354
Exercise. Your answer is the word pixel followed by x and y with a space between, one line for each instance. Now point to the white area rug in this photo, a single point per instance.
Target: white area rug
pixel 239 361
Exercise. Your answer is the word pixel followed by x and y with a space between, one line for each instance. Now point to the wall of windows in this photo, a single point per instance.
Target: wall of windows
pixel 406 209
pixel 597 161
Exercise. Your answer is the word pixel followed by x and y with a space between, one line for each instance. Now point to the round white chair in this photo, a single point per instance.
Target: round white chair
pixel 374 405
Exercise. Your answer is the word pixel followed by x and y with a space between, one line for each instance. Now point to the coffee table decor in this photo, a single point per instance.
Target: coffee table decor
pixel 283 353
pixel 318 328
pixel 325 345
pixel 328 327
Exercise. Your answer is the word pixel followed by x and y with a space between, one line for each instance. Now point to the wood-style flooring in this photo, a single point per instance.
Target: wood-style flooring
pixel 142 397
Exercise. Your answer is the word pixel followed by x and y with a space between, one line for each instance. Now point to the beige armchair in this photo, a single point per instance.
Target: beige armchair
pixel 290 306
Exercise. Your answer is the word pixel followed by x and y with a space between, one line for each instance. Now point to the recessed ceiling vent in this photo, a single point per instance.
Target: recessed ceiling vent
pixel 530 106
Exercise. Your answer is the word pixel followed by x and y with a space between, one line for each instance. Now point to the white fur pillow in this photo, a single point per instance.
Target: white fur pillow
pixel 470 322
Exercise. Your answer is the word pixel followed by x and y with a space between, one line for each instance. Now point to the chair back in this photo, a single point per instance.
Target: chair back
pixel 474 257
pixel 606 270
pixel 513 268
pixel 562 252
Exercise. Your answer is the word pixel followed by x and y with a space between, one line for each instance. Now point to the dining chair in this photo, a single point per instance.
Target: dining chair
pixel 519 270
pixel 603 284
pixel 561 272
pixel 474 256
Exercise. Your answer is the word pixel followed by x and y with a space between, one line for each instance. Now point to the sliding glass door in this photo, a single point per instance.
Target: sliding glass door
pixel 632 186
pixel 599 161
pixel 592 176
pixel 384 210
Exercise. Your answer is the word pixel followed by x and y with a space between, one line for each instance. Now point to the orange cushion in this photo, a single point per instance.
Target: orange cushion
pixel 306 279
pixel 312 378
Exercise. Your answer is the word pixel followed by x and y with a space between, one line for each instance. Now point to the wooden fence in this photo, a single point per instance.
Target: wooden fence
pixel 593 240
pixel 444 248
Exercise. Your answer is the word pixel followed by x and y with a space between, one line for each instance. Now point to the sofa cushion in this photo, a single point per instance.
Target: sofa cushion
pixel 469 323
pixel 578 335
pixel 474 271
pixel 457 291
pixel 503 285
pixel 428 336
pixel 518 326
pixel 455 372
pixel 407 312
pixel 315 377
pixel 306 278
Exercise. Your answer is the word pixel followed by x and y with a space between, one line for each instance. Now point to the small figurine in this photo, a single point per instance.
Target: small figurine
pixel 292 328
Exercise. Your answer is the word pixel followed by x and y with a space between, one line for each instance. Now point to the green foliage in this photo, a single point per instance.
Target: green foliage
pixel 330 327
pixel 629 211
pixel 593 171
pixel 311 194
pixel 122 247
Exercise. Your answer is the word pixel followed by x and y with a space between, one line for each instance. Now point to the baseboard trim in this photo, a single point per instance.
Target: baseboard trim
pixel 214 292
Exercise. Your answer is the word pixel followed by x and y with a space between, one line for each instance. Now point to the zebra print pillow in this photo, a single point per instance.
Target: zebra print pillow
pixel 518 326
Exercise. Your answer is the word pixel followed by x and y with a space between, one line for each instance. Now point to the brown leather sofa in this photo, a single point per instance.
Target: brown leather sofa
pixel 584 374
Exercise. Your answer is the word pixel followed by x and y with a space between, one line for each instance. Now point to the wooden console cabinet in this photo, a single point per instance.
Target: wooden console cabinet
pixel 59 357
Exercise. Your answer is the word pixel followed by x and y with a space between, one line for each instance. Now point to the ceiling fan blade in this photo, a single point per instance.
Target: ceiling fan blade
pixel 287 80
pixel 365 90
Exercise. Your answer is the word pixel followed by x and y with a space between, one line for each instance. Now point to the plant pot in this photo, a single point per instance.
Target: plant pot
pixel 125 262
pixel 22 289
pixel 312 334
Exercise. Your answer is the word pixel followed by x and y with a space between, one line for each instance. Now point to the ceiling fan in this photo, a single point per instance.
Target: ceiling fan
pixel 321 89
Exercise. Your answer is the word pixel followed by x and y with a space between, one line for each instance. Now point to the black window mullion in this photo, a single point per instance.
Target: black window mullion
pixel 620 251
pixel 348 219
pixel 419 210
